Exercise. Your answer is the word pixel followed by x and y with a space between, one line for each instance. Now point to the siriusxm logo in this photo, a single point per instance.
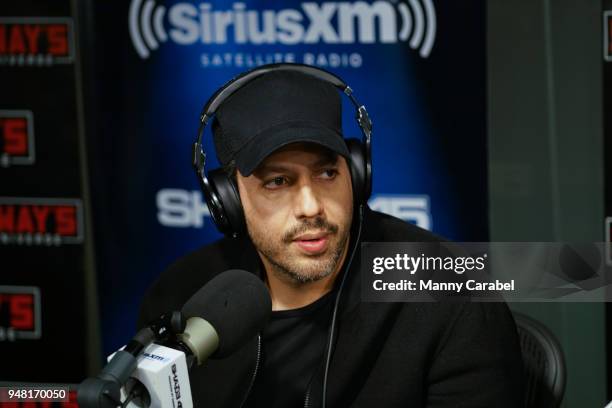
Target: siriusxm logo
pixel 154 357
pixel 185 23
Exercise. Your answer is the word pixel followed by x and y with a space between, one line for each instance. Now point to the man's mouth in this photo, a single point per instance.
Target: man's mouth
pixel 312 243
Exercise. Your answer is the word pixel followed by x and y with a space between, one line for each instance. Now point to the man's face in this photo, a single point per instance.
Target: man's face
pixel 298 206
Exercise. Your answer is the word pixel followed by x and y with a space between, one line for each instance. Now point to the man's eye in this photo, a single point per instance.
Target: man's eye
pixel 329 174
pixel 276 182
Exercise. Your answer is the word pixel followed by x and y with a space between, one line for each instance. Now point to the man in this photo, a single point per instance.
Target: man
pixel 280 137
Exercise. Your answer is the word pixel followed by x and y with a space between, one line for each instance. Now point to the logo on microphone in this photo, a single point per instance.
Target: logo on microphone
pixel 19 313
pixel 607 33
pixel 412 21
pixel 154 357
pixel 16 137
pixel 36 41
pixel 177 386
pixel 40 221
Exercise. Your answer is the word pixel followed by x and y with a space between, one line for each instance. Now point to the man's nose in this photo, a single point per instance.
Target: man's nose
pixel 307 202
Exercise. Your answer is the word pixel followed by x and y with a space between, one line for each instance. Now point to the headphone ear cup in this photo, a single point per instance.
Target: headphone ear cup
pixel 231 220
pixel 359 171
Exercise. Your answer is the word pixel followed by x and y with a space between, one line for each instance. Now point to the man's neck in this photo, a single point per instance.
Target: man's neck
pixel 286 296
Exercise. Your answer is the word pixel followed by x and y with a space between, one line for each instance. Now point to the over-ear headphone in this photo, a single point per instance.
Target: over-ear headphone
pixel 219 188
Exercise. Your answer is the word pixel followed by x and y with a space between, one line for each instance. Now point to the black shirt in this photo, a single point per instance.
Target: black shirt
pixel 434 354
pixel 293 345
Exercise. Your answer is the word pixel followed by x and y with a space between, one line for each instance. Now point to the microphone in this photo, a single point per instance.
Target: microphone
pixel 224 314
pixel 221 317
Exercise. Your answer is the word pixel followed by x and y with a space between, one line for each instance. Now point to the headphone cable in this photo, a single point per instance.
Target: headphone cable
pixel 337 301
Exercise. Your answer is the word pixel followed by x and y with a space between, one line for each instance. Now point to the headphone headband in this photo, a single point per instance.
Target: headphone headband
pixel 233 85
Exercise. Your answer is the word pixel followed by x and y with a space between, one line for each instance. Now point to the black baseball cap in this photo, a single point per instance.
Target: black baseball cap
pixel 273 111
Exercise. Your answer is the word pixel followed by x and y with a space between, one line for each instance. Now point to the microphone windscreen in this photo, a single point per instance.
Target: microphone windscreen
pixel 236 303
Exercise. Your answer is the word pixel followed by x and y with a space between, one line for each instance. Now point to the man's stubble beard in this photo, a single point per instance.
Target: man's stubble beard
pixel 276 254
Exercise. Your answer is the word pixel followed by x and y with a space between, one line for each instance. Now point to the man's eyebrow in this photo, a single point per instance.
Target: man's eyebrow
pixel 326 160
pixel 271 168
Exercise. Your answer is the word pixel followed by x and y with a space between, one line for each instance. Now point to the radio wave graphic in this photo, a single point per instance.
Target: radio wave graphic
pixel 148 19
pixel 419 18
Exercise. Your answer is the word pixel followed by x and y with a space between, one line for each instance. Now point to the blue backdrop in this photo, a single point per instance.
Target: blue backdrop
pixel 417 65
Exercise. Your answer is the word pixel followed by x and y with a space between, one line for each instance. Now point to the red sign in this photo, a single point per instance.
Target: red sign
pixel 36 40
pixel 609 35
pixel 16 137
pixel 40 221
pixel 19 313
pixel 607 32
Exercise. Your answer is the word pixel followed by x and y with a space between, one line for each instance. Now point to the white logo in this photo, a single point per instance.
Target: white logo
pixel 183 209
pixel 151 24
pixel 411 208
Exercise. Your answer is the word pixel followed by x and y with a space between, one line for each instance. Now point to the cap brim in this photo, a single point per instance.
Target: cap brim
pixel 256 150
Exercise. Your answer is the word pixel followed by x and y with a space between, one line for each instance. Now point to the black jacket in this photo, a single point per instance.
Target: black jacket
pixel 438 354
